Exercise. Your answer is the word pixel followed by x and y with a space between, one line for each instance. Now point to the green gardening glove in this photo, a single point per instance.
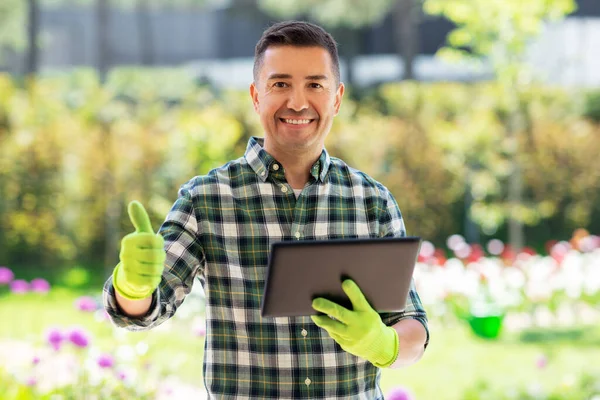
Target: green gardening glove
pixel 142 257
pixel 359 331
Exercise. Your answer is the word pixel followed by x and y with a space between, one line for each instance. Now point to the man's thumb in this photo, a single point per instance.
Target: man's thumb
pixel 139 217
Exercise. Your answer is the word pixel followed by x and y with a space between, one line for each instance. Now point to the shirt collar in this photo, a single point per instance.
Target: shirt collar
pixel 260 161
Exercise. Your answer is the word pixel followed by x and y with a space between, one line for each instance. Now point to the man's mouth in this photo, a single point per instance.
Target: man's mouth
pixel 296 121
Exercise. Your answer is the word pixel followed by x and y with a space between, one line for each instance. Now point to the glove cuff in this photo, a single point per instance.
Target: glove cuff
pixel 123 289
pixel 388 353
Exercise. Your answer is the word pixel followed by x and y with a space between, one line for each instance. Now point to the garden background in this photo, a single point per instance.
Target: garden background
pixel 500 176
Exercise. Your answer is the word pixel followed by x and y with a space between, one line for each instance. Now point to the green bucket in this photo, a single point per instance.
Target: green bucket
pixel 486 326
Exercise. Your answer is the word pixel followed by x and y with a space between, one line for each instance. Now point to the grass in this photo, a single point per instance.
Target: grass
pixel 454 361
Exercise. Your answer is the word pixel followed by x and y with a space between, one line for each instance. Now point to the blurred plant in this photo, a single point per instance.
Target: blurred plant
pixel 87 304
pixel 76 277
pixel 399 393
pixel 586 387
pixel 12 17
pixel 68 364
pixel 487 290
pixel 592 106
pixel 8 284
pixel 6 275
pixel 60 170
pixel 346 17
pixel 499 32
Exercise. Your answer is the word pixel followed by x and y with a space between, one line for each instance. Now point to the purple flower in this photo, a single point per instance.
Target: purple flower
pixel 31 381
pixel 121 375
pixel 79 338
pixel 106 361
pixel 400 393
pixel 40 285
pixel 36 360
pixel 55 338
pixel 86 303
pixel 19 286
pixel 6 275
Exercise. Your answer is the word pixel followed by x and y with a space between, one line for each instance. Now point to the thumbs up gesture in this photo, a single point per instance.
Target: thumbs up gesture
pixel 142 257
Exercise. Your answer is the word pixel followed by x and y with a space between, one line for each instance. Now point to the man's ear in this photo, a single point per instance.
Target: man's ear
pixel 338 97
pixel 254 96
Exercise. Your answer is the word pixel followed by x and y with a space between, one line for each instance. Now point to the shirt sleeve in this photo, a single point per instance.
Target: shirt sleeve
pixel 391 224
pixel 185 260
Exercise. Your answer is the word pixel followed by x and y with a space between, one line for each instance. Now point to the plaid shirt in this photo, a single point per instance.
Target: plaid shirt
pixel 220 230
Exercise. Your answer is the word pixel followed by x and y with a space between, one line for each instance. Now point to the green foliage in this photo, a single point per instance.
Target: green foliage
pixel 12 26
pixel 331 13
pixel 497 28
pixel 69 147
pixel 454 356
pixel 76 277
pixel 592 106
pixel 585 387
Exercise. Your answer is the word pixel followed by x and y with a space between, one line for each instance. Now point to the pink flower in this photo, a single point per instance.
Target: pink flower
pixel 31 381
pixel 79 338
pixel 121 375
pixel 400 393
pixel 86 303
pixel 106 361
pixel 40 285
pixel 36 360
pixel 542 361
pixel 55 338
pixel 19 286
pixel 199 330
pixel 6 275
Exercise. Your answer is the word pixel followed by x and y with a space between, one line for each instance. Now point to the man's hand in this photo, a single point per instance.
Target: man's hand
pixel 142 257
pixel 359 331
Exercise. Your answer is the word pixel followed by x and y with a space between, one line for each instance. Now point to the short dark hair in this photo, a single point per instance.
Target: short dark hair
pixel 300 34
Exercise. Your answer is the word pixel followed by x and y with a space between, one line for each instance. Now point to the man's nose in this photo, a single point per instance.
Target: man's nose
pixel 297 100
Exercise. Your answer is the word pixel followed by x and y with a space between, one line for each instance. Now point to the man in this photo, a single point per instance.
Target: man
pixel 286 187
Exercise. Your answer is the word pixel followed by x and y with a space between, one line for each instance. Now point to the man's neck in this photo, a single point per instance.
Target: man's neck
pixel 297 165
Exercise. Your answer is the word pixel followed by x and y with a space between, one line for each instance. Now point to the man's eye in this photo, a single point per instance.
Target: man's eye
pixel 280 84
pixel 316 85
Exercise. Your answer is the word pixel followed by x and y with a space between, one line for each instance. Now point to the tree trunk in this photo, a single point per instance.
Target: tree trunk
pixel 33 27
pixel 406 17
pixel 516 235
pixel 103 45
pixel 144 27
pixel 471 228
pixel 349 49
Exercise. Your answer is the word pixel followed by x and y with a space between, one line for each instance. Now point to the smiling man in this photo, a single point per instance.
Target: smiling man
pixel 219 231
pixel 296 92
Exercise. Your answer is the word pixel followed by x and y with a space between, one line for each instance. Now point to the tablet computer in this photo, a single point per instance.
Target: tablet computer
pixel 300 271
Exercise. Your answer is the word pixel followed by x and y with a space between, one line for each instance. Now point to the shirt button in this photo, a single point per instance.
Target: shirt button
pixel 304 332
pixel 297 235
pixel 275 167
pixel 284 189
pixel 307 382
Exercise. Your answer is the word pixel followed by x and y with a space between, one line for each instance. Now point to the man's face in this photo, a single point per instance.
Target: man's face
pixel 296 96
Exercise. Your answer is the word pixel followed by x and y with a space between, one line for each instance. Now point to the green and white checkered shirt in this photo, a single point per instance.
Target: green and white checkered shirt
pixel 220 230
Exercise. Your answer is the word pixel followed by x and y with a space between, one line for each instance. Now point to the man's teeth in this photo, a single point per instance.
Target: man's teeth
pixel 297 121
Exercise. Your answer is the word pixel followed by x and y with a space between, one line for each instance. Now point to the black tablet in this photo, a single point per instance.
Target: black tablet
pixel 299 271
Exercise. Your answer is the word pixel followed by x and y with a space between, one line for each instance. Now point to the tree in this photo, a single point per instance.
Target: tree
pixel 347 16
pixel 406 16
pixel 500 31
pixel 33 28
